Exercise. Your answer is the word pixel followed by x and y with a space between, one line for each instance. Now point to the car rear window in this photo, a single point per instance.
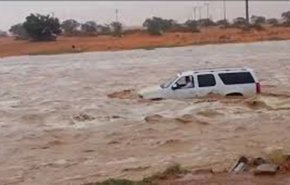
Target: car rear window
pixel 236 78
pixel 206 80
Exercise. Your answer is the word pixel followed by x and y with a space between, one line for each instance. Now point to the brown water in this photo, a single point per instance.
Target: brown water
pixel 66 119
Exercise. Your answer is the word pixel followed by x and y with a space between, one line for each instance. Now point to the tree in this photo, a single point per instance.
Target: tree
pixel 286 17
pixel 192 25
pixel 70 26
pixel 179 28
pixel 222 22
pixel 205 22
pixel 157 25
pixel 42 27
pixel 89 27
pixel 258 20
pixel 104 29
pixel 153 27
pixel 167 24
pixel 18 31
pixel 272 21
pixel 240 21
pixel 116 29
pixel 3 33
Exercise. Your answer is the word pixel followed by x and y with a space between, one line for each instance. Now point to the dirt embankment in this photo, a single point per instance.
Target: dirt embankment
pixel 10 47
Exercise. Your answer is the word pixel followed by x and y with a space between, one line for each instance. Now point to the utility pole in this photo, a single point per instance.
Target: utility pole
pixel 117 18
pixel 199 11
pixel 224 8
pixel 247 11
pixel 207 10
pixel 194 12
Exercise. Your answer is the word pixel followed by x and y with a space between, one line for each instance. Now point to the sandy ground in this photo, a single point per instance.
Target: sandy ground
pixel 75 118
pixel 10 47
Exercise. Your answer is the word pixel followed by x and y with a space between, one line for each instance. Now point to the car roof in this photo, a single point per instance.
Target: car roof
pixel 213 70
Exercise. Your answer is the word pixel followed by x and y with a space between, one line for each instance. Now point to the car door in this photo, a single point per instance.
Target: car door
pixel 181 91
pixel 206 84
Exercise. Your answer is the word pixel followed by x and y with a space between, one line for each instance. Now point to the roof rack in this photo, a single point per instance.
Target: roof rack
pixel 215 70
pixel 222 69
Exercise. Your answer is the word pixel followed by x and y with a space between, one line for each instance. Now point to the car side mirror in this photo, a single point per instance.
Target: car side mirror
pixel 174 87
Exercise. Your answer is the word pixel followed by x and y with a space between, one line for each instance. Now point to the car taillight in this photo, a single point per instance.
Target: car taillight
pixel 258 88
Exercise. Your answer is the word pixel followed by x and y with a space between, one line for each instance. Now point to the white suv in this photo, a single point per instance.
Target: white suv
pixel 191 84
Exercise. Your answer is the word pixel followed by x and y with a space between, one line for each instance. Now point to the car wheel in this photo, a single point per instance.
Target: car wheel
pixel 157 99
pixel 235 94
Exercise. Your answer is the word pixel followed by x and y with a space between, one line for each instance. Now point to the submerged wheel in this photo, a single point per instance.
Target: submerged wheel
pixel 235 94
pixel 157 99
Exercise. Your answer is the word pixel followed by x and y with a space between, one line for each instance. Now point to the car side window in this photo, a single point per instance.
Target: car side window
pixel 185 82
pixel 206 80
pixel 236 78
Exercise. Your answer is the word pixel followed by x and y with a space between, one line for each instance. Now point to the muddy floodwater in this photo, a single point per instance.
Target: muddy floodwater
pixel 75 118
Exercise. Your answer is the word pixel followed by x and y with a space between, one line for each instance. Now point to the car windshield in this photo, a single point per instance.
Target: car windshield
pixel 168 83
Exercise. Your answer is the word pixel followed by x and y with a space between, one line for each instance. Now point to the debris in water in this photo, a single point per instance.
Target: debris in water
pixel 134 169
pixel 258 161
pixel 83 117
pixel 266 169
pixel 153 118
pixel 240 165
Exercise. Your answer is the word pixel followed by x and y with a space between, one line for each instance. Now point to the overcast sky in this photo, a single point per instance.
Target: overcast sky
pixel 133 13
